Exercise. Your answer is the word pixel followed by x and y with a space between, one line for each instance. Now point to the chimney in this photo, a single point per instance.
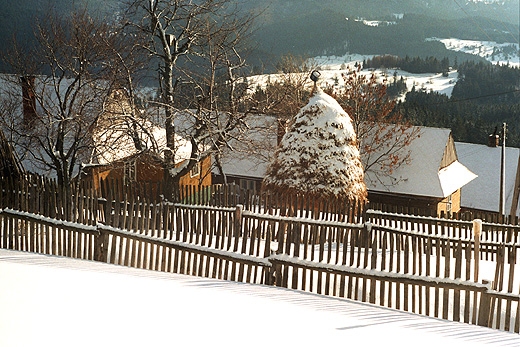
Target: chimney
pixel 28 99
pixel 494 139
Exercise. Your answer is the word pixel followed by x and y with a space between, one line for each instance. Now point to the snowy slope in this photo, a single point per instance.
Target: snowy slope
pixel 53 301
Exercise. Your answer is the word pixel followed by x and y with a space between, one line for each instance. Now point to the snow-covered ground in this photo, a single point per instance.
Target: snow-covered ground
pixel 496 53
pixel 53 301
pixel 332 67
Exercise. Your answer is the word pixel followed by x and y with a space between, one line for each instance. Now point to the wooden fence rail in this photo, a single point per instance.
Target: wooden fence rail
pixel 371 246
pixel 446 227
pixel 456 300
pixel 453 299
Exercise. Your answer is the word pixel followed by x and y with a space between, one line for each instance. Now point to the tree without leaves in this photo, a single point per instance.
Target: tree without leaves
pixel 286 92
pixel 364 98
pixel 197 46
pixel 69 74
pixel 382 132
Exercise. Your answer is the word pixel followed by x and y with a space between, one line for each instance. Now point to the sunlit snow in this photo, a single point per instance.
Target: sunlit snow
pixel 53 301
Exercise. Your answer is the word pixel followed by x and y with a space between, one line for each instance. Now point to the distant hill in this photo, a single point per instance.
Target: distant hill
pixel 398 27
pixel 310 27
pixel 503 10
pixel 18 17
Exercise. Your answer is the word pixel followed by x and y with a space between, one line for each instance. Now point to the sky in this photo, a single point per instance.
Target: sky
pixel 55 301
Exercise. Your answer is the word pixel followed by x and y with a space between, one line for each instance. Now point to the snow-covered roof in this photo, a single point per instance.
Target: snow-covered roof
pixel 114 143
pixel 484 192
pixel 250 150
pixel 318 155
pixel 423 175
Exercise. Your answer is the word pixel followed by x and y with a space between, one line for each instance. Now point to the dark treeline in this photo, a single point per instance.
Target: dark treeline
pixel 487 83
pixel 412 65
pixel 484 97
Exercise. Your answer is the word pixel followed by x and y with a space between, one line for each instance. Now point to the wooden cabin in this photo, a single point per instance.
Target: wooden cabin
pixel 430 181
pixel 117 158
pixel 145 171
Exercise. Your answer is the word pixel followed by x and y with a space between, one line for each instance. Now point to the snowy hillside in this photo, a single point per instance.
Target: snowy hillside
pixel 333 67
pixel 496 53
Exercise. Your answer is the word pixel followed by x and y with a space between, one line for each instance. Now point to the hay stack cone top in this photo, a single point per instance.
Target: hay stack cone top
pixel 318 156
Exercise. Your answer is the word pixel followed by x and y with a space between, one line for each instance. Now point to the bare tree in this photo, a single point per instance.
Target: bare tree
pixel 382 132
pixel 66 81
pixel 197 47
pixel 286 92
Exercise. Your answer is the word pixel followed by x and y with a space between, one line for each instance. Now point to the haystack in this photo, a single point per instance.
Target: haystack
pixel 318 156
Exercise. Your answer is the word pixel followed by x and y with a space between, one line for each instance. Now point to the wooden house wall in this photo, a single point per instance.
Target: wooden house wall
pixel 450 153
pixel 203 178
pixel 450 204
pixel 146 170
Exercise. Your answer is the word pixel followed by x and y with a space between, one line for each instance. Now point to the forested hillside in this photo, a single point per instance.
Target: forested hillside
pixel 329 33
pixel 484 97
pixel 311 28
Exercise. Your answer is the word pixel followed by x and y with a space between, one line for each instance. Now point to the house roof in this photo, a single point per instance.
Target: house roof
pixel 422 174
pixel 249 156
pixel 484 192
pixel 114 143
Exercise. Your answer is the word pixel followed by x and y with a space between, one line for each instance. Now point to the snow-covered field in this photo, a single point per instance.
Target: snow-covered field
pixel 53 301
pixel 496 53
pixel 332 67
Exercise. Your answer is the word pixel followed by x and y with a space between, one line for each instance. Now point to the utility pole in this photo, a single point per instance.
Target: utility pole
pixel 502 207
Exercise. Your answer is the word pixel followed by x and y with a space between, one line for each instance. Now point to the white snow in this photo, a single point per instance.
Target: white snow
pixel 53 301
pixel 454 176
pixel 496 53
pixel 332 67
pixel 114 143
pixel 321 141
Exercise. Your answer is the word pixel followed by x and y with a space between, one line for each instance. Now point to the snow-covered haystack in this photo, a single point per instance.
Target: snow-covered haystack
pixel 318 156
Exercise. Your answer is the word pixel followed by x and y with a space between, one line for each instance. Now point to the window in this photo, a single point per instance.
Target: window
pixel 195 170
pixel 448 204
pixel 247 184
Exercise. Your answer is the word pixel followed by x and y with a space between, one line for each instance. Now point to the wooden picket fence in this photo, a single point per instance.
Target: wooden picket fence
pixel 326 257
pixel 412 263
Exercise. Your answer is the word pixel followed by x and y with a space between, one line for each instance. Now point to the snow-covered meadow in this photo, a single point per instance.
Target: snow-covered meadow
pixel 54 301
pixel 332 67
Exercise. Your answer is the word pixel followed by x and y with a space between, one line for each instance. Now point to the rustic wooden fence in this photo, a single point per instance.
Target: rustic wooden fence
pixel 330 258
pixel 84 203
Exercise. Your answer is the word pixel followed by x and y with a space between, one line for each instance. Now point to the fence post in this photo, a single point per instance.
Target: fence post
pixel 100 249
pixel 477 229
pixel 484 305
pixel 238 220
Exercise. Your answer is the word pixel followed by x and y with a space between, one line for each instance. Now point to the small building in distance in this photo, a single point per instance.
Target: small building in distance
pixel 120 160
pixel 127 148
